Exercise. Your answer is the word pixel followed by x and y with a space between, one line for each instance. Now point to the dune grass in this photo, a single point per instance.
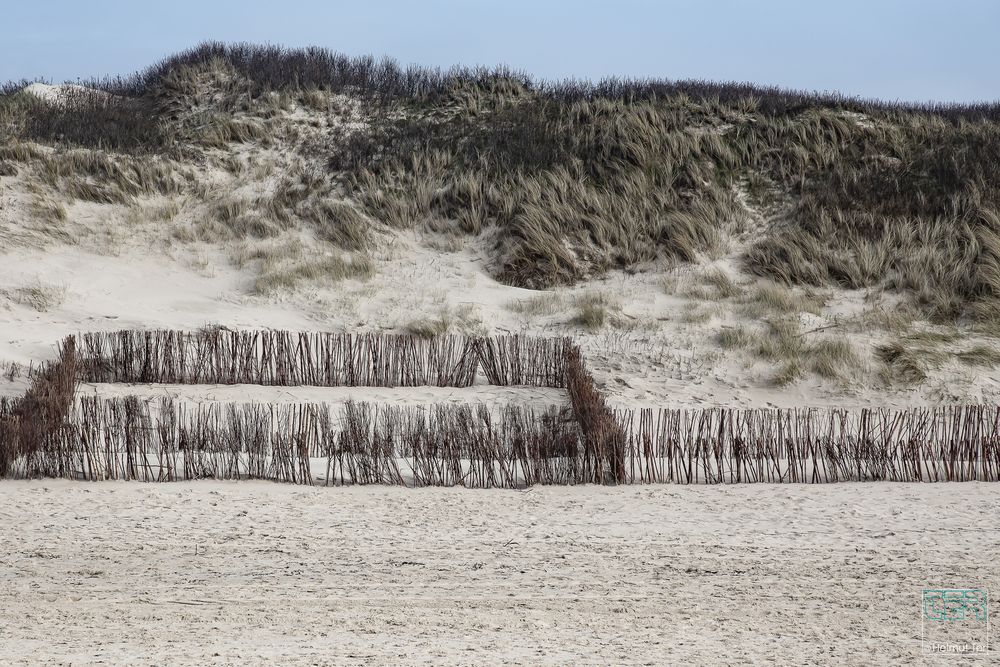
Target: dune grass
pixel 736 338
pixel 906 365
pixel 791 353
pixel 985 356
pixel 594 310
pixel 575 178
pixel 772 299
pixel 37 295
pixel 464 319
pixel 324 269
pixel 540 305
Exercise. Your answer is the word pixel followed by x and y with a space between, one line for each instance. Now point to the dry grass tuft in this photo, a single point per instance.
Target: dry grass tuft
pixel 725 287
pixel 17 151
pixel 464 319
pixel 38 295
pixel 694 313
pixel 427 327
pixel 783 343
pixel 283 266
pixel 594 310
pixel 904 364
pixel 833 358
pixel 986 356
pixel 773 299
pixel 49 213
pixel 326 269
pixel 339 223
pixel 789 372
pixel 540 305
pixel 737 338
pixel 105 178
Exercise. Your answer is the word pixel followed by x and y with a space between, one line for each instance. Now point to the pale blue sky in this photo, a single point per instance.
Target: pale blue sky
pixel 945 50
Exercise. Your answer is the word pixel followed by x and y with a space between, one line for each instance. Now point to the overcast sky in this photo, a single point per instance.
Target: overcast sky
pixel 918 50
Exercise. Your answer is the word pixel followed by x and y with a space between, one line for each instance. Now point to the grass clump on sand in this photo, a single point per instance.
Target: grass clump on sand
pixel 341 224
pixel 782 341
pixel 789 372
pixel 322 269
pixel 594 310
pixel 774 299
pixel 720 281
pixel 736 338
pixel 715 284
pixel 540 305
pixel 464 319
pixel 50 217
pixel 986 356
pixel 832 358
pixel 429 327
pixel 103 178
pixel 904 364
pixel 38 295
pixel 783 344
pixel 910 359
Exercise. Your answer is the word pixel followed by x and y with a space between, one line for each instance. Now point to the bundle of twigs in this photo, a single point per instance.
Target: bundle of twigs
pixel 9 429
pixel 29 424
pixel 604 439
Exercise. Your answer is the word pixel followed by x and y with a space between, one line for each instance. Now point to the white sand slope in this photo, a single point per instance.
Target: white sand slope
pixel 57 93
pixel 678 365
pixel 254 573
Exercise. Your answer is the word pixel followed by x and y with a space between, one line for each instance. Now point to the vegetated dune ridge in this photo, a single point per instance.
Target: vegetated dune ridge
pixel 716 244
pixel 253 573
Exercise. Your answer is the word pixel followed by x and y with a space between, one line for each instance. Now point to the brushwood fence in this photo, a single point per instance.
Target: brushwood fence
pixel 277 358
pixel 32 419
pixel 525 360
pixel 8 431
pixel 603 436
pixel 711 446
pixel 443 445
pixel 47 432
pixel 472 446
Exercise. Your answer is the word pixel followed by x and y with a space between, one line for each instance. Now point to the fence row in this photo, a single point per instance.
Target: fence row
pixel 222 356
pixel 959 443
pixel 443 445
pixel 45 432
pixel 449 445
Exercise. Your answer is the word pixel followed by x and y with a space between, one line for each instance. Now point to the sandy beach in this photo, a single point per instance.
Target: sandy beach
pixel 256 573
